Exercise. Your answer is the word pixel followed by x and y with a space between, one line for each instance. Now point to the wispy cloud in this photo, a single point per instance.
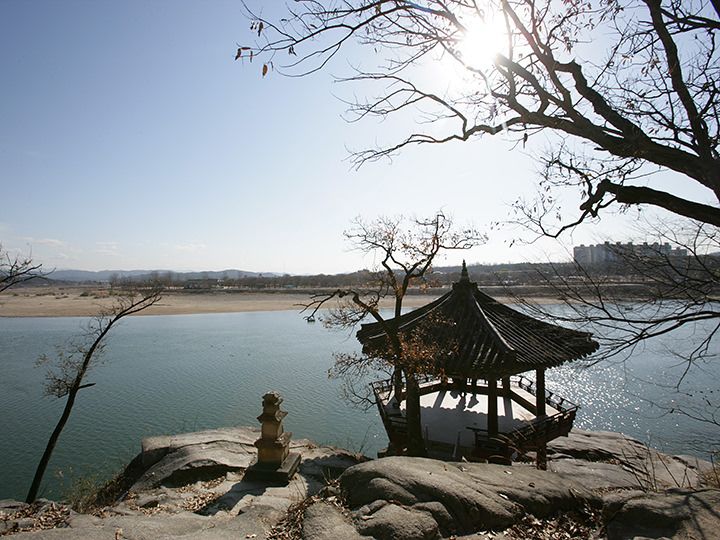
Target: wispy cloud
pixel 190 247
pixel 107 248
pixel 50 242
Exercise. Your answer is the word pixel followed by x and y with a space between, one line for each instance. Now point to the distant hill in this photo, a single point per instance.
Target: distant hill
pixel 87 275
pixel 444 273
pixel 106 275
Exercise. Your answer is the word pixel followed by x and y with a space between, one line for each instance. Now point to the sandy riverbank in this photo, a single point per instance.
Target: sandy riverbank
pixel 86 302
pixel 83 302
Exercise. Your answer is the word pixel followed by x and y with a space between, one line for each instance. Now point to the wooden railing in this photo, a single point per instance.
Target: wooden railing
pixel 556 402
pixel 392 417
pixel 544 429
pixel 496 448
pixel 381 386
pixel 526 438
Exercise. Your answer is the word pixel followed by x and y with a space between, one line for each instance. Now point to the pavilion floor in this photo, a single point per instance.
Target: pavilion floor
pixel 448 415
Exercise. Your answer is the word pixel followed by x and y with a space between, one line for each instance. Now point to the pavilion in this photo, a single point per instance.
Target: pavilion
pixel 464 411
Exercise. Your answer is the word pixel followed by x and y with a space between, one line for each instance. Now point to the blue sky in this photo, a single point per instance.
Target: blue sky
pixel 129 138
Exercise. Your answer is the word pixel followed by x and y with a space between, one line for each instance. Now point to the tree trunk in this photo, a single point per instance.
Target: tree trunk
pixel 45 459
pixel 127 305
pixel 398 385
pixel 415 443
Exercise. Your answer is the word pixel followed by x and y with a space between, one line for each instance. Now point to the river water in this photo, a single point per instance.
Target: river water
pixel 173 374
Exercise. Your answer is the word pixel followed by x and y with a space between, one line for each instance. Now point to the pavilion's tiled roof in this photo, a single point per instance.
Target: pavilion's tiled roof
pixel 488 339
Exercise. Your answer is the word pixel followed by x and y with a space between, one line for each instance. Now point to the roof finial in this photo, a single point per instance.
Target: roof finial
pixel 464 277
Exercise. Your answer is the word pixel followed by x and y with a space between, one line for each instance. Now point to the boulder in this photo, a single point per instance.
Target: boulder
pixel 395 522
pixel 648 468
pixel 324 521
pixel 678 513
pixel 184 459
pixel 596 474
pixel 459 498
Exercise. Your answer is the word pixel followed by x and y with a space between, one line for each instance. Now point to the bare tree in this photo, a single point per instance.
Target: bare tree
pixel 66 377
pixel 623 90
pixel 405 254
pixel 16 269
pixel 645 99
pixel 644 291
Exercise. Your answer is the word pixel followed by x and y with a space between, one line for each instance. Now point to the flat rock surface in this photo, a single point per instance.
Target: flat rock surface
pixel 218 449
pixel 158 527
pixel 193 486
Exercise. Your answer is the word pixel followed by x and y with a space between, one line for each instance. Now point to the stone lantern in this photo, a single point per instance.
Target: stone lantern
pixel 275 461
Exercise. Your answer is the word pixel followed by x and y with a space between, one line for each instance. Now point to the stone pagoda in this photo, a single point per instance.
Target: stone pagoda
pixel 275 462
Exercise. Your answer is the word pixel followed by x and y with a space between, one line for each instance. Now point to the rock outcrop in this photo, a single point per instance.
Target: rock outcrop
pixel 192 486
pixel 675 513
pixel 606 459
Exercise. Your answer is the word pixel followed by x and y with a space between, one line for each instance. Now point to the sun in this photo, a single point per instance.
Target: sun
pixel 482 41
pixel 473 53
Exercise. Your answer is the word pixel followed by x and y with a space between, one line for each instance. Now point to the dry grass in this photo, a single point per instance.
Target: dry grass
pixel 36 517
pixel 90 494
pixel 574 525
pixel 711 478
pixel 291 526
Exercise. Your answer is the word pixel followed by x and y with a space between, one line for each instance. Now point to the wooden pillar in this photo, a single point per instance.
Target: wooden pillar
pixel 540 388
pixel 506 385
pixel 492 408
pixel 541 461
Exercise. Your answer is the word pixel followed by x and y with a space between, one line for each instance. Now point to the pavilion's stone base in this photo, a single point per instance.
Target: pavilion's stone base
pixel 270 472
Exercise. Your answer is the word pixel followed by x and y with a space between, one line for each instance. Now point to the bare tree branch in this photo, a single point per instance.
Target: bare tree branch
pixel 405 251
pixel 66 376
pixel 17 269
pixel 669 291
pixel 651 101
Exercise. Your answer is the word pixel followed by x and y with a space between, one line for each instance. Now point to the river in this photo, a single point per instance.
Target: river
pixel 179 373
